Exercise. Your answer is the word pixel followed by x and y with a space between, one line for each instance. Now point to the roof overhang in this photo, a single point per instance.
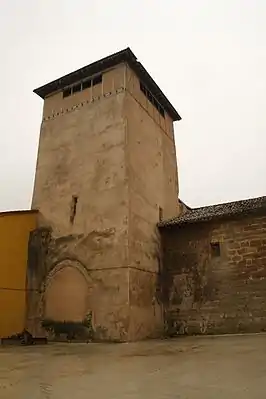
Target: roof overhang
pixel 123 56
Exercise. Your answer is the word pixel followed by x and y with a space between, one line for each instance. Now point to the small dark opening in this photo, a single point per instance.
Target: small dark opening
pixel 160 213
pixel 97 80
pixel 73 208
pixel 156 104
pixel 151 99
pixel 161 110
pixel 215 249
pixel 67 92
pixel 86 84
pixel 76 88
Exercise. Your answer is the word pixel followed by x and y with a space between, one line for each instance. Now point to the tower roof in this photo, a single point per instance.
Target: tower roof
pixel 99 66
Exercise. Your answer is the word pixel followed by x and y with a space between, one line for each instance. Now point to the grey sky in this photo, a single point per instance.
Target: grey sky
pixel 208 56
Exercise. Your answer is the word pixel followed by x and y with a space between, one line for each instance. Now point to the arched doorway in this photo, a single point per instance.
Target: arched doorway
pixel 66 294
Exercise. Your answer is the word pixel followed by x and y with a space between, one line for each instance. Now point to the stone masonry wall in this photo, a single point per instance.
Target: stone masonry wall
pixel 214 276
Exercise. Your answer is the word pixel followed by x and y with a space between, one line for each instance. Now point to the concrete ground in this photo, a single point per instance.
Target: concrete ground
pixel 197 367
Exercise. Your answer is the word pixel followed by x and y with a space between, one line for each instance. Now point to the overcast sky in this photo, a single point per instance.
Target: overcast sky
pixel 208 56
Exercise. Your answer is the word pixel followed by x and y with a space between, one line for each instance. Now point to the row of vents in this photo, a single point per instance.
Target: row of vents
pixel 69 91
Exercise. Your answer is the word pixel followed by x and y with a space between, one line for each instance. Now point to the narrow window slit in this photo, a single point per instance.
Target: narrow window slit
pixel 73 208
pixel 97 80
pixel 86 84
pixel 76 88
pixel 67 92
pixel 160 213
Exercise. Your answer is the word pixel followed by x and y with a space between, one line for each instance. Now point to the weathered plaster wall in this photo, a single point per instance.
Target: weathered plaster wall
pixel 207 294
pixel 82 153
pixel 15 228
pixel 109 147
pixel 153 184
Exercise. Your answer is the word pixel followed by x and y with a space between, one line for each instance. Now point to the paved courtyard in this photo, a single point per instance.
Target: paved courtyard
pixel 196 367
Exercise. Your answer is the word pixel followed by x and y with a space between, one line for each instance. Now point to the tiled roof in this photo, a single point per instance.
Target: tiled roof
pixel 217 211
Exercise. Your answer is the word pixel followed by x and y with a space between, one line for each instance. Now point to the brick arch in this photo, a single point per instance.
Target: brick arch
pixel 66 292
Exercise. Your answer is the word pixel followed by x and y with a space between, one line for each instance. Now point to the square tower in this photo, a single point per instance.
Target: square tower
pixel 106 174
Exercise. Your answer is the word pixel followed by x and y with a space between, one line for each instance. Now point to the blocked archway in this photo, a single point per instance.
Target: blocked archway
pixel 66 293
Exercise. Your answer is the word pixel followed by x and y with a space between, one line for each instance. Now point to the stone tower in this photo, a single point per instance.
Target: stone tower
pixel 106 173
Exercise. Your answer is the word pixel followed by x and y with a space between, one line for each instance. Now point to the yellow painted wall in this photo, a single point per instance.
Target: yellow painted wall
pixel 15 228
